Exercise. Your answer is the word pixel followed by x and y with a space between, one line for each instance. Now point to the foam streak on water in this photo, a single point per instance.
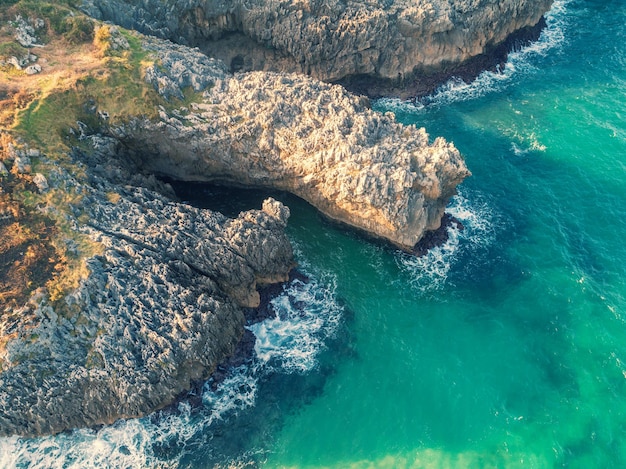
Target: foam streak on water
pixel 307 313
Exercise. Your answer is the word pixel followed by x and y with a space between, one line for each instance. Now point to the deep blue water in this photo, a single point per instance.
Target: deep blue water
pixel 505 347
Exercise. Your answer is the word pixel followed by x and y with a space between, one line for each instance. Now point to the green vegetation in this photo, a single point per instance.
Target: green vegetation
pixel 61 19
pixel 82 78
pixel 11 48
pixel 111 94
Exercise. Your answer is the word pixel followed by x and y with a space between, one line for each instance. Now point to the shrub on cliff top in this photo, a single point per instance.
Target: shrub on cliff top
pixel 79 29
pixel 102 39
pixel 10 49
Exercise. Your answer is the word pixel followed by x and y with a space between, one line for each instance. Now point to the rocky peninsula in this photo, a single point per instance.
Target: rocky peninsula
pixel 124 296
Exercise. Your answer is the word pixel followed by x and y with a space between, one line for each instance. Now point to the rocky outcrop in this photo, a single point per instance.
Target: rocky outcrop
pixel 406 46
pixel 162 303
pixel 293 133
pixel 316 141
pixel 161 307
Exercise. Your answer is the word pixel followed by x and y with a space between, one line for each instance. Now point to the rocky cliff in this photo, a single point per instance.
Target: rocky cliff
pixel 397 47
pixel 160 300
pixel 161 307
pixel 294 133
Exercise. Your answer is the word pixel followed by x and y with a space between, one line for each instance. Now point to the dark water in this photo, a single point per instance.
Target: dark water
pixel 506 347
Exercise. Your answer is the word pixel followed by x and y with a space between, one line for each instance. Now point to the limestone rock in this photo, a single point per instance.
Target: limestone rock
pixel 22 62
pixel 318 141
pixel 41 182
pixel 184 69
pixel 161 307
pixel 32 69
pixel 117 40
pixel 25 30
pixel 22 165
pixel 277 210
pixel 396 41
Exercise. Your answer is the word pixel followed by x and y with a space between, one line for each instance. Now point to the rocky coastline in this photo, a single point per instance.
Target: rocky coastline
pixel 166 286
pixel 163 305
pixel 393 48
pixel 293 133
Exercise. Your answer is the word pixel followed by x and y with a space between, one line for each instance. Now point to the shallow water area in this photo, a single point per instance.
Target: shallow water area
pixel 504 347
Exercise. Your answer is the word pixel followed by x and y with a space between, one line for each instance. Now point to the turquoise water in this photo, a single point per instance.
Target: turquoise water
pixel 504 348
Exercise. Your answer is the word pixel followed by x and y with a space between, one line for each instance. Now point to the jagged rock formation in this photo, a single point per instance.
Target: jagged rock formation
pixel 404 46
pixel 293 133
pixel 160 309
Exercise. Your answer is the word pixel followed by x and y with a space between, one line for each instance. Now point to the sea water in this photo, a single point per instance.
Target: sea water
pixel 505 347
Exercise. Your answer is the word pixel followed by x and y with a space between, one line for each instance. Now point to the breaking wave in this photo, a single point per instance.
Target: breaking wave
pixel 430 271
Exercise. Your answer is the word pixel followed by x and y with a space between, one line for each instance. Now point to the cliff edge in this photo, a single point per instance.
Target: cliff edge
pixel 293 133
pixel 392 47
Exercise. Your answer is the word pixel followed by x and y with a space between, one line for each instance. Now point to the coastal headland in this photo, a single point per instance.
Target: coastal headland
pixel 116 297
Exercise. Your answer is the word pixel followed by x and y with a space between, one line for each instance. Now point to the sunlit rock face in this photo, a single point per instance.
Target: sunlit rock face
pixel 294 133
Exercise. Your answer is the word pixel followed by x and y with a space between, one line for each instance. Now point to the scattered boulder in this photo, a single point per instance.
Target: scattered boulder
pixel 117 40
pixel 22 165
pixel 32 69
pixel 25 30
pixel 41 182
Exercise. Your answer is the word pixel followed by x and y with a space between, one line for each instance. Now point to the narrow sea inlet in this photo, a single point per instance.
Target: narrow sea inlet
pixel 505 347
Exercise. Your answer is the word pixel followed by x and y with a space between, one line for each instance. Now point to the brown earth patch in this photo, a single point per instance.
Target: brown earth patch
pixel 28 260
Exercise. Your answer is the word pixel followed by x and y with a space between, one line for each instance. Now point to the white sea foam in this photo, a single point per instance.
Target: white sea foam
pixel 237 392
pixel 430 271
pixel 126 444
pixel 306 314
pixel 519 63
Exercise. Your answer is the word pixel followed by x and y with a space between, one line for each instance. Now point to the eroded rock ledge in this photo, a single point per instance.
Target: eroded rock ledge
pixel 162 305
pixel 293 133
pixel 398 47
pixel 162 302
